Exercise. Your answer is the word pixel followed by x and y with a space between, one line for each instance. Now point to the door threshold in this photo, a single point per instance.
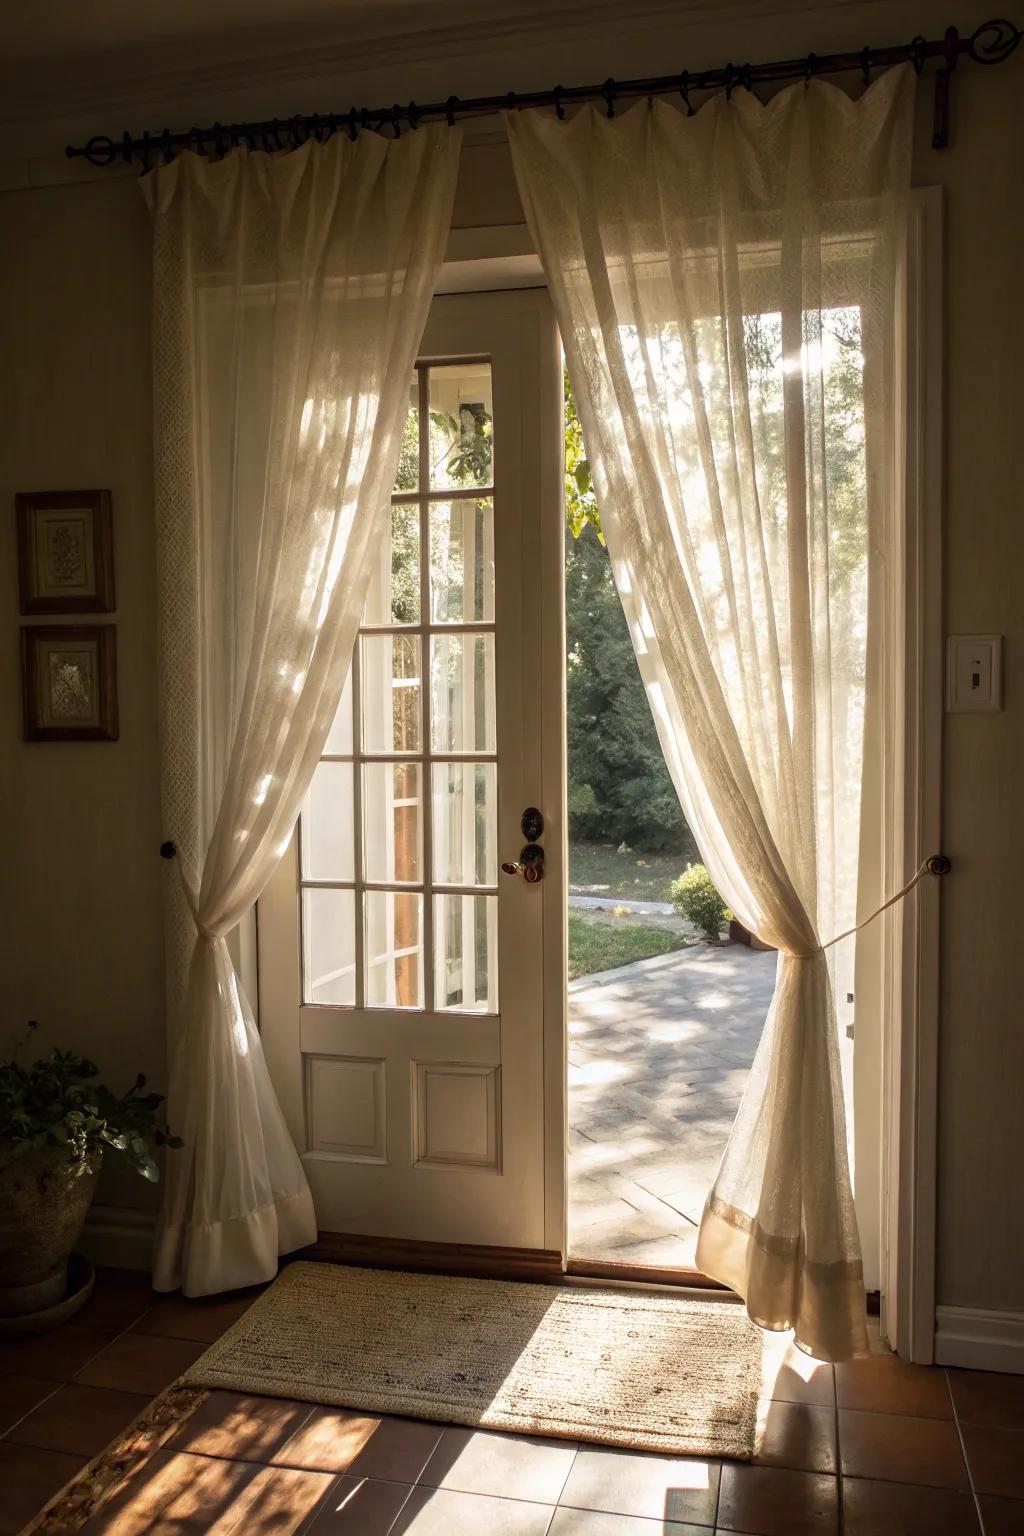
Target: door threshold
pixel 644 1274
pixel 481 1261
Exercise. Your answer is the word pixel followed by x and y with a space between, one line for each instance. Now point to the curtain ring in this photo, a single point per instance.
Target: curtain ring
pixel 918 54
pixel 729 80
pixel 449 110
pixel 556 96
pixel 413 115
pixel 166 147
pixel 396 124
pixel 353 131
pixel 143 152
pixel 812 59
pixel 684 91
pixel 865 64
pixel 746 79
pixel 608 92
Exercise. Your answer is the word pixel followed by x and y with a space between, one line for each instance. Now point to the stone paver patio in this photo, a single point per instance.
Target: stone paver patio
pixel 659 1053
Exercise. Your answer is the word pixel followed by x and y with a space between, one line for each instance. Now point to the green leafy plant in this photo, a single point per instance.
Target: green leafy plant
pixel 695 898
pixel 59 1102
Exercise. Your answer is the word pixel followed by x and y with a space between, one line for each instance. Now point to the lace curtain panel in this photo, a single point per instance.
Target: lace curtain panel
pixel 710 275
pixel 290 295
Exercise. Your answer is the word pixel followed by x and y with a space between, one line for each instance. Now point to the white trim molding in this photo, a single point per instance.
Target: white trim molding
pixel 981 1341
pixel 911 1026
pixel 119 1236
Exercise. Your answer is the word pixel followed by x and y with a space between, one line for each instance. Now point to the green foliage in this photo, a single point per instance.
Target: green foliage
pixel 619 788
pixel 467 444
pixel 57 1102
pixel 696 899
pixel 580 502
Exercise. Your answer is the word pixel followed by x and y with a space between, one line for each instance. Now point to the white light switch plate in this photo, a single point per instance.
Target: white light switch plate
pixel 974 680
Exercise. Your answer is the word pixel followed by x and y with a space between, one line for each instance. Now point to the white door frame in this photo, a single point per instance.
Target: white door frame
pixel 910 1034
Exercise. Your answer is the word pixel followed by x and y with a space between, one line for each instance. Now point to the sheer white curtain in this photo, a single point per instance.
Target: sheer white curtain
pixel 290 295
pixel 725 287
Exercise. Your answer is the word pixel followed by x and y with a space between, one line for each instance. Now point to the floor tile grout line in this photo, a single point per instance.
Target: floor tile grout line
pixel 963 1452
pixel 57 1385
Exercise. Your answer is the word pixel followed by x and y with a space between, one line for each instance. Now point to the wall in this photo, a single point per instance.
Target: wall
pixel 79 872
pixel 80 866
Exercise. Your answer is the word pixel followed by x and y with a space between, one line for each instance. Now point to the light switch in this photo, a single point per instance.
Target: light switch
pixel 974 673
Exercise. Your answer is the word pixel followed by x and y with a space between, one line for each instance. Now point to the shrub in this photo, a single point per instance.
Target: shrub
pixel 696 899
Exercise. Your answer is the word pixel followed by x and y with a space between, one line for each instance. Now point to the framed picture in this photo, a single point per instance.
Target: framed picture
pixel 69 682
pixel 65 551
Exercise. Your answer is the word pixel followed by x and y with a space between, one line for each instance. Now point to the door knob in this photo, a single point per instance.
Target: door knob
pixel 530 864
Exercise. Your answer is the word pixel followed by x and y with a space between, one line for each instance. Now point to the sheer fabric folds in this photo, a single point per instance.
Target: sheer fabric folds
pixel 725 288
pixel 290 295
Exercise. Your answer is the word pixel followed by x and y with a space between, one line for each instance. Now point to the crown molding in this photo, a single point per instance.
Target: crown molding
pixel 123 80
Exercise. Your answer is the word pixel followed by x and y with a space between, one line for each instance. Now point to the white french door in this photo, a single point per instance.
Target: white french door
pixel 403 1002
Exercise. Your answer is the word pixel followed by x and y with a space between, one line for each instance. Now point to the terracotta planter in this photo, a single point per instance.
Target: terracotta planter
pixel 44 1198
pixel 740 935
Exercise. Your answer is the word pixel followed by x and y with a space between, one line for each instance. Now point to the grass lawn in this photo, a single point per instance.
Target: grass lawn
pixel 596 945
pixel 644 876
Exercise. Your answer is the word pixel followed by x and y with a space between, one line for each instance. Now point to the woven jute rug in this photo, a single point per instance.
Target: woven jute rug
pixel 650 1371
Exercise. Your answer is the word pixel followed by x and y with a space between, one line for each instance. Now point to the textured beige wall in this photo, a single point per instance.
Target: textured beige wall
pixel 79 872
pixel 80 880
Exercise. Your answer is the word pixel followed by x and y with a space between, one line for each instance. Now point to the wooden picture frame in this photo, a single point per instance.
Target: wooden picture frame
pixel 69 682
pixel 65 551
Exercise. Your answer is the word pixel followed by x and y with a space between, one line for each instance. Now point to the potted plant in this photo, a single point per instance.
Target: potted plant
pixel 57 1121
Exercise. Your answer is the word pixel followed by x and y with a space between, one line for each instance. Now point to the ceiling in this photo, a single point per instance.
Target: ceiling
pixel 65 61
pixel 58 57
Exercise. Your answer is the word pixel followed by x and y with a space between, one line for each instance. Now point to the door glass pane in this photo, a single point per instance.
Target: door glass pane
pixel 339 738
pixel 393 596
pixel 465 951
pixel 461 426
pixel 407 476
pixel 390 693
pixel 465 812
pixel 329 946
pixel 327 844
pixel 394 949
pixel 461 560
pixel 391 822
pixel 462 693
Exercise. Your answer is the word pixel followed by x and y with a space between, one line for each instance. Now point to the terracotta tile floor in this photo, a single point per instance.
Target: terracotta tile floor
pixel 875 1448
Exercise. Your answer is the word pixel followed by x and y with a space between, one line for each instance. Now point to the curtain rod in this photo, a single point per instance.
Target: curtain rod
pixel 990 43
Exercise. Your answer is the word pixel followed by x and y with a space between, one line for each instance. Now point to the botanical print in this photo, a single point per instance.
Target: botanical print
pixel 65 551
pixel 64 555
pixel 72 685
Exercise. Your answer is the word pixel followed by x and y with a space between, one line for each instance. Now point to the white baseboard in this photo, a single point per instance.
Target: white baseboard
pixel 119 1237
pixel 981 1341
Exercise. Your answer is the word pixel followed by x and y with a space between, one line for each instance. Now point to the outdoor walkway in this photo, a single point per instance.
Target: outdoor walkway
pixel 659 1053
